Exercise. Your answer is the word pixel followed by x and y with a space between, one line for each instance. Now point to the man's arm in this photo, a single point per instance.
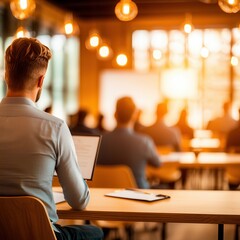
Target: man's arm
pixel 75 189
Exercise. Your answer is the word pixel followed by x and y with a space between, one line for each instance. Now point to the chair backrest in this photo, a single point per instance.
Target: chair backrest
pixel 168 172
pixel 24 218
pixel 113 176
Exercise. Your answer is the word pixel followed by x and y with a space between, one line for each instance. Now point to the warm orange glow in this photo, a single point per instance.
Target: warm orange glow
pixel 122 59
pixel 68 28
pixel 22 32
pixel 93 41
pixel 22 9
pixel 229 6
pixel 104 51
pixel 126 10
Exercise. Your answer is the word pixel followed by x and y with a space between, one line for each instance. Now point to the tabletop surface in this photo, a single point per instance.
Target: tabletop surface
pixel 211 159
pixel 186 206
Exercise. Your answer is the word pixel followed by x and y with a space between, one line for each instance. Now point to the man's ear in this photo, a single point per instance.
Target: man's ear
pixel 40 81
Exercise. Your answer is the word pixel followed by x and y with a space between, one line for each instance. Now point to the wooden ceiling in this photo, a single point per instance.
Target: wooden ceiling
pixel 99 9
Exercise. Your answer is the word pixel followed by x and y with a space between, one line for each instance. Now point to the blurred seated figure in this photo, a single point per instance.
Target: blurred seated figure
pixel 80 125
pixel 161 133
pixel 233 146
pixel 183 126
pixel 223 124
pixel 233 139
pixel 100 126
pixel 124 146
pixel 138 126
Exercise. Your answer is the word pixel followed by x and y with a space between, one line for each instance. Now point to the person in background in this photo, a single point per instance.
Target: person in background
pixel 233 138
pixel 183 126
pixel 138 126
pixel 124 146
pixel 100 126
pixel 224 123
pixel 80 126
pixel 35 144
pixel 162 134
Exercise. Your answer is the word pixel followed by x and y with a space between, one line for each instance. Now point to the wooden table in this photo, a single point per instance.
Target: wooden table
pixel 218 162
pixel 184 206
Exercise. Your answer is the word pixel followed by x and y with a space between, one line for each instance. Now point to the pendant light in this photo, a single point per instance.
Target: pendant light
pixel 229 6
pixel 126 10
pixel 22 9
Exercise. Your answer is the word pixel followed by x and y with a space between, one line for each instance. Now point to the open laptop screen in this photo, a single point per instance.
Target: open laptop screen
pixel 87 147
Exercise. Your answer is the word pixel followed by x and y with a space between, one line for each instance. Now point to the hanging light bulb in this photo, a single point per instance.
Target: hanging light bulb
pixel 68 26
pixel 22 9
pixel 126 10
pixel 22 32
pixel 188 26
pixel 104 51
pixel 93 41
pixel 121 59
pixel 229 6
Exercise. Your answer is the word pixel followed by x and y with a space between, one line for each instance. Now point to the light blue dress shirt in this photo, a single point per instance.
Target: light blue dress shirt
pixel 33 145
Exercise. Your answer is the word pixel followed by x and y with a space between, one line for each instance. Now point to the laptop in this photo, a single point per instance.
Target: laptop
pixel 87 148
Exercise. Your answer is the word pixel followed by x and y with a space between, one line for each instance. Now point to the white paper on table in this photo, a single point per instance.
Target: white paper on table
pixel 136 195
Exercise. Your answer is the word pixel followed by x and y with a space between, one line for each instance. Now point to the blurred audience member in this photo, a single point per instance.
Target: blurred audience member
pixel 80 126
pixel 223 124
pixel 162 134
pixel 100 123
pixel 124 146
pixel 233 138
pixel 183 126
pixel 138 126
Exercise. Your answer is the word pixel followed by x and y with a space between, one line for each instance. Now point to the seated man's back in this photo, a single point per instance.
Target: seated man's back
pixel 162 134
pixel 124 146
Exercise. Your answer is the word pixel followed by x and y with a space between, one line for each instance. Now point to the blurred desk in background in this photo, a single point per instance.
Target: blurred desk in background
pixel 204 165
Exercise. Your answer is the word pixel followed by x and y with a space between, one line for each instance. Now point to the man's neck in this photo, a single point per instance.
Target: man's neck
pixel 25 94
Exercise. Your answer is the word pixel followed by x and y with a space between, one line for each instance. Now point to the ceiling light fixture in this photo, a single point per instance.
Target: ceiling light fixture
pixel 68 26
pixel 104 51
pixel 122 59
pixel 229 6
pixel 93 41
pixel 126 10
pixel 187 25
pixel 22 9
pixel 22 32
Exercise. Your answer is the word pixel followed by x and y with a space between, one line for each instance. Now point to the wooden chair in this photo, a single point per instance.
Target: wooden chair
pixel 114 176
pixel 167 174
pixel 24 218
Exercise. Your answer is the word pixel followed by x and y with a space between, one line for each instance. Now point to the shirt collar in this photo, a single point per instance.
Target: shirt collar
pixel 18 100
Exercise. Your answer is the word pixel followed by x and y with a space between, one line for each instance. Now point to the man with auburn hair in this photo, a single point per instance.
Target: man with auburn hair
pixel 124 146
pixel 35 144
